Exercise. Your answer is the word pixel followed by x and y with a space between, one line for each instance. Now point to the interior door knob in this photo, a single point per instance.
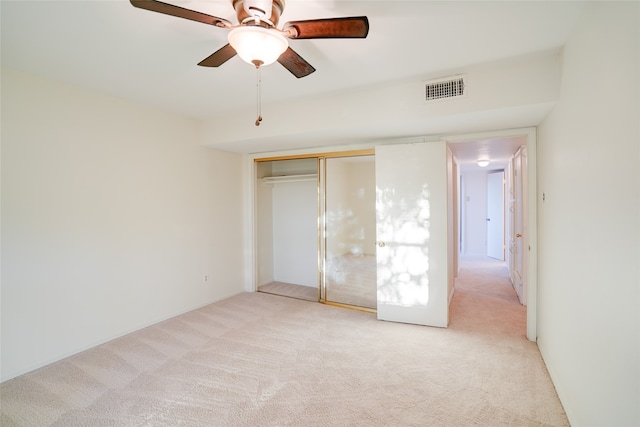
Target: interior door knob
pixel 518 235
pixel 381 244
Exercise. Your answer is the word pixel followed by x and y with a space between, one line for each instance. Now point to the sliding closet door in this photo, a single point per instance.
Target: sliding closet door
pixel 412 223
pixel 350 231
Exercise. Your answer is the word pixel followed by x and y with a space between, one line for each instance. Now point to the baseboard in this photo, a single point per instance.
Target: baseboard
pixel 559 390
pixel 111 338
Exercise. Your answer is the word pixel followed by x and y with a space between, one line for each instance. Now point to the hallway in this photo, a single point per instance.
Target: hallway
pixel 485 301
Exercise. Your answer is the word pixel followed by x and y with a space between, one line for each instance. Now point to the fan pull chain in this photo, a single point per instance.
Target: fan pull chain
pixel 259 94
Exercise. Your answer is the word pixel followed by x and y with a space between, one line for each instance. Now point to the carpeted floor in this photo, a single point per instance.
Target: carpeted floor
pixel 290 290
pixel 263 360
pixel 351 280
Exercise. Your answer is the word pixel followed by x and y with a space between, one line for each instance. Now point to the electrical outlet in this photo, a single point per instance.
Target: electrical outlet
pixel 205 278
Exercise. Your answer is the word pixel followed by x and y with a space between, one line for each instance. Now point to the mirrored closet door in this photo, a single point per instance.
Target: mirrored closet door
pixel 350 231
pixel 316 229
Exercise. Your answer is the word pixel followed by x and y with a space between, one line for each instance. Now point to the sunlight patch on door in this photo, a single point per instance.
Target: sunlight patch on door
pixel 403 254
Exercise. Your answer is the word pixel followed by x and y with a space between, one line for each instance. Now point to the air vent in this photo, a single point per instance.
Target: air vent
pixel 448 87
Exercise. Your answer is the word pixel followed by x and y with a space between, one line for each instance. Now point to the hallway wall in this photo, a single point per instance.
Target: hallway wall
pixel 588 227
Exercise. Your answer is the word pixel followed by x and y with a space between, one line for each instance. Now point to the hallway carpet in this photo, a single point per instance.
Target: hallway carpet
pixel 263 360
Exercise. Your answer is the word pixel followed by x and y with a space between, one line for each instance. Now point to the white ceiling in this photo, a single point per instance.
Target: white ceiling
pixel 149 58
pixel 497 150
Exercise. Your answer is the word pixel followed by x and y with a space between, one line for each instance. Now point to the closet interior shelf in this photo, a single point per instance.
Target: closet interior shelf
pixel 289 178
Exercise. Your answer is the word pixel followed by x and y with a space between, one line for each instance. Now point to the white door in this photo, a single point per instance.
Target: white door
pixel 411 222
pixel 495 215
pixel 519 237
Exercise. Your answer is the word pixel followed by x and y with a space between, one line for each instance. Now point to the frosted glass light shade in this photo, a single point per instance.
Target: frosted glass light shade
pixel 257 45
pixel 483 163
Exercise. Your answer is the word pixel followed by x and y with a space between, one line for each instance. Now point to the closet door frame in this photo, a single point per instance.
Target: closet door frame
pixel 252 286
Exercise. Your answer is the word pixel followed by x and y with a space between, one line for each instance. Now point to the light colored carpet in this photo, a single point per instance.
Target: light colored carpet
pixel 263 360
pixel 290 290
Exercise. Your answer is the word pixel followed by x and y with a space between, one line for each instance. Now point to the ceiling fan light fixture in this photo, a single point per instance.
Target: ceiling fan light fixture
pixel 257 45
pixel 483 163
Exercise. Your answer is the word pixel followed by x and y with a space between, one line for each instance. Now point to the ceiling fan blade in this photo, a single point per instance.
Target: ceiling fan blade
pixel 331 28
pixel 218 57
pixel 180 12
pixel 295 63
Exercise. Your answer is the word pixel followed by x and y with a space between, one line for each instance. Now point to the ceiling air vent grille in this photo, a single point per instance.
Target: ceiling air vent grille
pixel 448 87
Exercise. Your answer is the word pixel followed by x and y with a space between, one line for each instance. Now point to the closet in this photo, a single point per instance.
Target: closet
pixel 365 229
pixel 316 229
pixel 287 227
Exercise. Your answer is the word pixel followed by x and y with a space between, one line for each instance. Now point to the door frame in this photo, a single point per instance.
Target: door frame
pixel 519 233
pixel 531 201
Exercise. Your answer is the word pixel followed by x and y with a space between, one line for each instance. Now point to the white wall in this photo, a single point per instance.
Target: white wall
pixel 111 215
pixel 295 233
pixel 378 112
pixel 588 222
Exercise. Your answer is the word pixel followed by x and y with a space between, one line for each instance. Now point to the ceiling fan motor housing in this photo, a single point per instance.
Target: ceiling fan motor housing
pixel 242 8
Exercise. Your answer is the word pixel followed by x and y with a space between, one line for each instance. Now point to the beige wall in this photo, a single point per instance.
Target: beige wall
pixel 513 86
pixel 588 222
pixel 112 213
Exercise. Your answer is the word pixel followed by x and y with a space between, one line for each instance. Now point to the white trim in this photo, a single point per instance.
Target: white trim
pixel 532 223
pixel 250 256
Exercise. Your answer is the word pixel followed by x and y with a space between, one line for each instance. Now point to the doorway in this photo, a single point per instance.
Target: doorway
pixel 507 151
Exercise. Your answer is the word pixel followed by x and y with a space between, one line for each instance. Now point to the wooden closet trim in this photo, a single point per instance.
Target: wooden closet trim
pixel 349 153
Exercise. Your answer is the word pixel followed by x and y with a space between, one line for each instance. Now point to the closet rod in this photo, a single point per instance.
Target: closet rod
pixel 289 178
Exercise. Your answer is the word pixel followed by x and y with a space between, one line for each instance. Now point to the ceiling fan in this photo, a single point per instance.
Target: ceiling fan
pixel 257 39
